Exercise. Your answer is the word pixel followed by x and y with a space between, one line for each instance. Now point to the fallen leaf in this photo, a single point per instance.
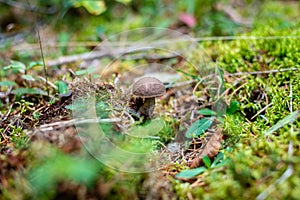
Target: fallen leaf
pixel 211 148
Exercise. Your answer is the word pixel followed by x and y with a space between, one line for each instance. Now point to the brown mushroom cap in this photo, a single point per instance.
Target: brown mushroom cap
pixel 148 87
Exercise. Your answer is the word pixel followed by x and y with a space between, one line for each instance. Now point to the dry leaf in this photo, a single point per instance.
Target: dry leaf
pixel 211 148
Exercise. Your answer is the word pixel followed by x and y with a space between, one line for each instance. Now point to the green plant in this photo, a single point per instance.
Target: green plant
pixel 89 71
pixel 233 107
pixel 219 161
pixel 62 87
pixel 59 167
pixel 286 120
pixel 199 127
pixel 24 106
pixel 21 68
pixel 19 137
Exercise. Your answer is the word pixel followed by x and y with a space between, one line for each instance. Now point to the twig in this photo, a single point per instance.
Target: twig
pixel 107 52
pixel 7 114
pixel 262 110
pixel 31 46
pixel 41 46
pixel 3 136
pixel 81 121
pixel 263 72
pixel 181 84
pixel 74 58
pixel 48 82
pixel 196 86
pixel 5 94
pixel 60 124
pixel 236 91
pixel 151 56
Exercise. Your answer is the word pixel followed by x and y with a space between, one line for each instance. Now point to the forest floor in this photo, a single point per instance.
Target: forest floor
pixel 226 127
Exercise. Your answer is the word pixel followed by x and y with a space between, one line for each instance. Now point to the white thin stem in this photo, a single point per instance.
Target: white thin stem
pixel 267 106
pixel 47 82
pixel 60 124
pixel 263 72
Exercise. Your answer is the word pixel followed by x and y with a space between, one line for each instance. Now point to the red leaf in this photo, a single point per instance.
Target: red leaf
pixel 188 19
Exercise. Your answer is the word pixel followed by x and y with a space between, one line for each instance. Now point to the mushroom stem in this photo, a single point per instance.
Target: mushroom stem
pixel 146 110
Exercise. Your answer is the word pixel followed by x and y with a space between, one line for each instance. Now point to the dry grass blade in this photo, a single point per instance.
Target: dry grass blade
pixel 211 148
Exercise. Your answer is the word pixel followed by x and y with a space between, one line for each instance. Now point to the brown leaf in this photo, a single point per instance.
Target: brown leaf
pixel 211 148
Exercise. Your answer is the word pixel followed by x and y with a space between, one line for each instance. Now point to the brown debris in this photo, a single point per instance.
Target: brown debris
pixel 210 149
pixel 157 186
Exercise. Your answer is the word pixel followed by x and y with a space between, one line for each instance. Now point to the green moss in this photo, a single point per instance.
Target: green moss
pixel 257 162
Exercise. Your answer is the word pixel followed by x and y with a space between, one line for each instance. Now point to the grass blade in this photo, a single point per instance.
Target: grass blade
pixel 288 119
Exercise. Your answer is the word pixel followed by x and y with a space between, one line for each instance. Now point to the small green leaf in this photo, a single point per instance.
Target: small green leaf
pixel 28 77
pixel 207 112
pixel 288 119
pixel 218 158
pixel 63 37
pixel 233 107
pixel 7 83
pixel 126 2
pixel 22 91
pixel 80 72
pixel 17 66
pixel 198 127
pixel 34 64
pixel 62 87
pixel 206 161
pixel 221 74
pixel 36 115
pixel 77 106
pixel 90 70
pixel 221 164
pixel 96 76
pixel 93 7
pixel 70 107
pixel 190 173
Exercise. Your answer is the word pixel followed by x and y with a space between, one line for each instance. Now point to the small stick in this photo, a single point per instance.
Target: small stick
pixel 7 114
pixel 48 82
pixel 236 91
pixel 96 55
pixel 60 124
pixel 2 134
pixel 41 48
pixel 262 110
pixel 80 121
pixel 263 72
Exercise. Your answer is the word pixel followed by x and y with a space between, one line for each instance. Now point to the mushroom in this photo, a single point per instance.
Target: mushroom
pixel 145 90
